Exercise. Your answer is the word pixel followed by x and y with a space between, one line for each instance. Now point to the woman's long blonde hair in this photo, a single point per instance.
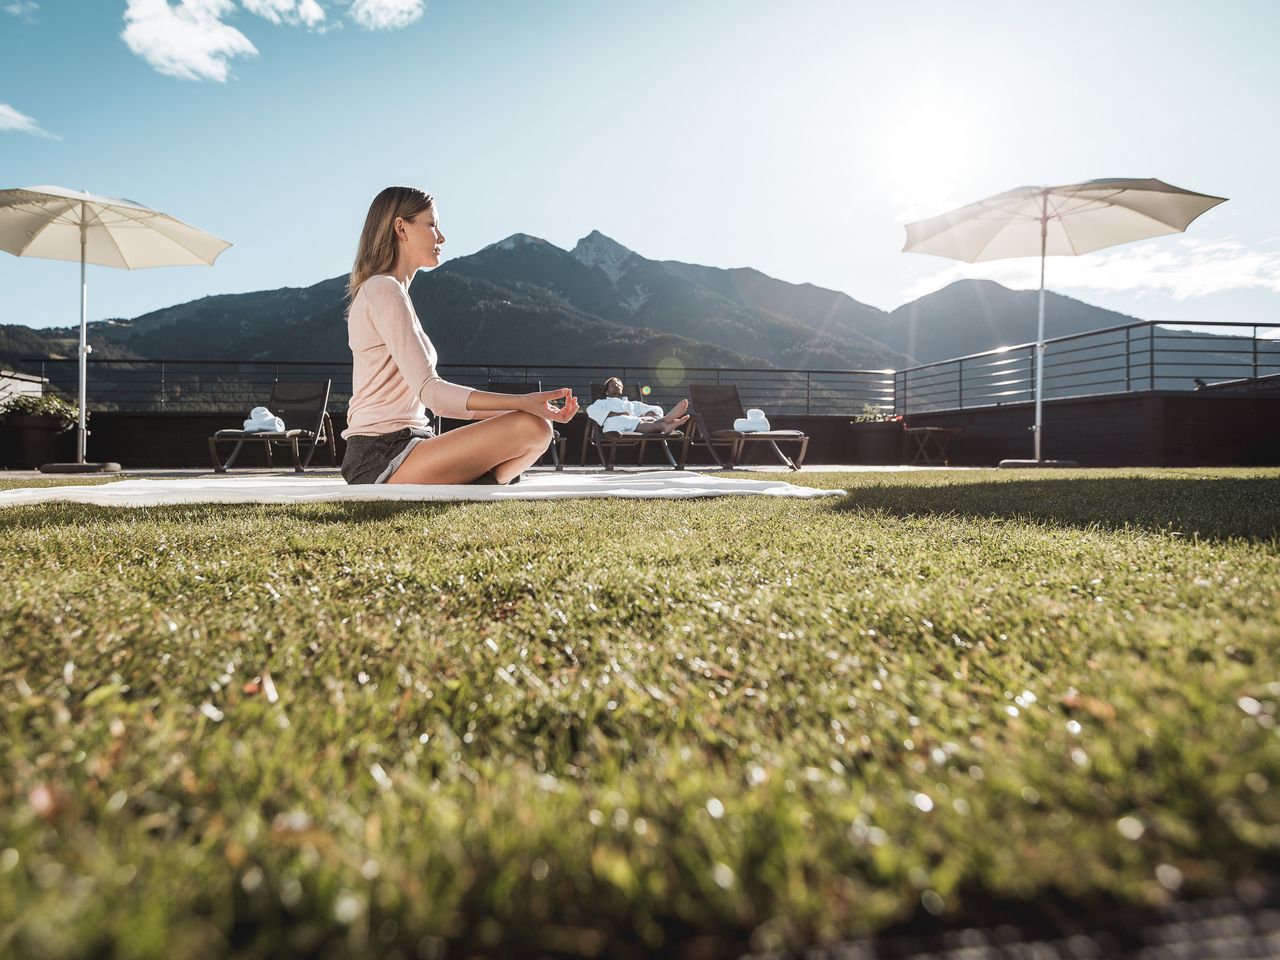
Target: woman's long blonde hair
pixel 377 250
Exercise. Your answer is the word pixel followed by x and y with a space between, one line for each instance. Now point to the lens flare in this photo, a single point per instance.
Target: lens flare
pixel 670 371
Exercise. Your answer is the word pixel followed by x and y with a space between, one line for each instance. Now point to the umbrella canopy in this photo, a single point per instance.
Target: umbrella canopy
pixel 49 222
pixel 1065 220
pixel 55 223
pixel 1076 218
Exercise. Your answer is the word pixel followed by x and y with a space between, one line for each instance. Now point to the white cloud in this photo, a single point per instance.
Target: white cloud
pixel 24 10
pixel 309 13
pixel 1191 268
pixel 386 14
pixel 188 40
pixel 12 121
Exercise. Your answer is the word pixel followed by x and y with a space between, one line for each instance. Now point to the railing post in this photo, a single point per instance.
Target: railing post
pixel 1151 357
pixel 162 384
pixel 808 378
pixel 960 383
pixel 1127 362
pixel 1255 352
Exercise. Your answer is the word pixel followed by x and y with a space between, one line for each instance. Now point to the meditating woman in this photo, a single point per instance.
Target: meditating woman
pixel 394 381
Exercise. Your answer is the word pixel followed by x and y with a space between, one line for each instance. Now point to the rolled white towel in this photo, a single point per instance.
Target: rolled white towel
pixel 262 420
pixel 754 422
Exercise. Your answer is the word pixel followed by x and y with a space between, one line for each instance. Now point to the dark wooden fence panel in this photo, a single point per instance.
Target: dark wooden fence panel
pixel 1134 429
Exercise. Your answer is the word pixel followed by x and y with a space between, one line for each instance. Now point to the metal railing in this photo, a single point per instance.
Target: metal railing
pixel 1123 359
pixel 224 385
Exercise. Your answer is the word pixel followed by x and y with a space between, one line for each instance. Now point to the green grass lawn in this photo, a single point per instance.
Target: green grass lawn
pixel 606 728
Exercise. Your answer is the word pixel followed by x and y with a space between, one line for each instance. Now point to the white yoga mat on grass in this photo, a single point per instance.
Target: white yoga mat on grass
pixel 662 485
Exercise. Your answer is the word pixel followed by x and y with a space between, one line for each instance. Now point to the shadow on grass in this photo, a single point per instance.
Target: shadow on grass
pixel 1208 508
pixel 64 514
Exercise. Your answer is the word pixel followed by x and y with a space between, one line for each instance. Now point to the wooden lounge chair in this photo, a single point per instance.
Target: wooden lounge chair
pixel 713 408
pixel 302 405
pixel 558 440
pixel 596 437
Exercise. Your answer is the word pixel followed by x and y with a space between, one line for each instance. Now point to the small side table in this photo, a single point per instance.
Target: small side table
pixel 928 446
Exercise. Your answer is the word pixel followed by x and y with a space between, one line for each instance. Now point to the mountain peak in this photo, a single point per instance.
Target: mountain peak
pixel 597 250
pixel 517 240
pixel 972 285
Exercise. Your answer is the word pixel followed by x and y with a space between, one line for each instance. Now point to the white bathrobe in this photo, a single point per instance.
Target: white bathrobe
pixel 628 413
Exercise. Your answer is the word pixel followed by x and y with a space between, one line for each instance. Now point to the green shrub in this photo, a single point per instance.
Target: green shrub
pixel 871 413
pixel 67 415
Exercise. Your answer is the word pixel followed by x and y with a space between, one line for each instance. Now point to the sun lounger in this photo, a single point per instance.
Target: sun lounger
pixel 596 437
pixel 302 405
pixel 713 410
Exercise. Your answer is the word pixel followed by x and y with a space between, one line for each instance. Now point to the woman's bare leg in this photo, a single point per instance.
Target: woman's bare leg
pixel 507 444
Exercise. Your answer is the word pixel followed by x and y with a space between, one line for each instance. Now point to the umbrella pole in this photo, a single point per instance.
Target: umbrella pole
pixel 81 432
pixel 1044 233
pixel 1040 364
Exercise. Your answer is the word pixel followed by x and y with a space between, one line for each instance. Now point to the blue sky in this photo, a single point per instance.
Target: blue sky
pixel 795 138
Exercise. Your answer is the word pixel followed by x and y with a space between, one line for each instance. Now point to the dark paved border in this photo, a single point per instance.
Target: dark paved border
pixel 1244 927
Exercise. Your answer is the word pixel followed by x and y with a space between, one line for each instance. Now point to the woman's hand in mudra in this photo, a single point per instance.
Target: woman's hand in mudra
pixel 543 406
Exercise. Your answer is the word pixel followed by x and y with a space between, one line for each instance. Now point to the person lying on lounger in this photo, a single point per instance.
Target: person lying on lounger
pixel 394 381
pixel 616 414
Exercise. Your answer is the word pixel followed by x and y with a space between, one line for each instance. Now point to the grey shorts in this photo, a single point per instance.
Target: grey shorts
pixel 374 459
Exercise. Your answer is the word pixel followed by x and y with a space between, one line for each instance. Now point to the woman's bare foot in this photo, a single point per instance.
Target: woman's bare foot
pixel 679 409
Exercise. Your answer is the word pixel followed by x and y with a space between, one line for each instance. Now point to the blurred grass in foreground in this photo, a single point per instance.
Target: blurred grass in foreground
pixel 606 728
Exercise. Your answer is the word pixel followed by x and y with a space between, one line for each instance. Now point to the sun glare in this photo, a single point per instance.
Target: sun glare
pixel 925 143
pixel 925 146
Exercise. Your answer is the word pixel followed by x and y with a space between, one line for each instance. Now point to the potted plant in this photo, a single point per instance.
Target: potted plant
pixel 877 436
pixel 37 430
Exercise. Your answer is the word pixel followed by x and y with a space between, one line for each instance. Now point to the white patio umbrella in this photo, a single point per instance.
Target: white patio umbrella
pixel 60 224
pixel 1057 221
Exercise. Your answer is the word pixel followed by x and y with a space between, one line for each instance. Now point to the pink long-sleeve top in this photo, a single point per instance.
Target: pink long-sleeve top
pixel 394 380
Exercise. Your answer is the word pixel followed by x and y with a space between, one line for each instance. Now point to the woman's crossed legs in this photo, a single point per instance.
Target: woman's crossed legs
pixel 507 444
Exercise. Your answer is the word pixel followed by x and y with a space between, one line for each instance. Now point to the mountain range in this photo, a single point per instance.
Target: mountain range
pixel 525 300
